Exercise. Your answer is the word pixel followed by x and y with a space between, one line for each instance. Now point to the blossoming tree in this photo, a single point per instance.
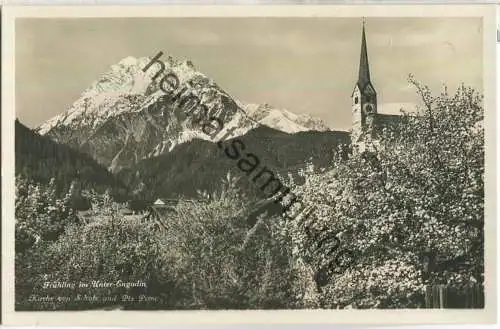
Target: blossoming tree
pixel 405 214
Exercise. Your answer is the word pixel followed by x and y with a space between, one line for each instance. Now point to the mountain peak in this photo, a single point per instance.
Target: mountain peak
pixel 281 119
pixel 124 116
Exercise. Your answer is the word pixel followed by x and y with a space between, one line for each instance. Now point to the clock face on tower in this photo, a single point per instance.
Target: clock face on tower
pixel 369 108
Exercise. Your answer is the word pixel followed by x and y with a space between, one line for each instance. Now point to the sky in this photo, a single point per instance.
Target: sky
pixel 304 65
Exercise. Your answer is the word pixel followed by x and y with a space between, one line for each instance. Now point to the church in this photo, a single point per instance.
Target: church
pixel 367 123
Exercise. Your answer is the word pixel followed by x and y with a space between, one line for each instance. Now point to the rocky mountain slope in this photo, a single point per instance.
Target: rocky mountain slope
pixel 124 117
pixel 200 164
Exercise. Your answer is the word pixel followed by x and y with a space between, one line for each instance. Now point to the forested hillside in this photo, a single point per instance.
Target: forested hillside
pixel 40 159
pixel 199 164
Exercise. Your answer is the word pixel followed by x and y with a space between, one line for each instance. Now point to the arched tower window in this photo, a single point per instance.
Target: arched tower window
pixel 356 100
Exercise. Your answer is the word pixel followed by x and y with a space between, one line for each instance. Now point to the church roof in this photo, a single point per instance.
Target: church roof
pixel 364 68
pixel 386 121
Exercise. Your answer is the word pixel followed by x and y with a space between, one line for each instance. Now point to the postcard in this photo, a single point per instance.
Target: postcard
pixel 248 164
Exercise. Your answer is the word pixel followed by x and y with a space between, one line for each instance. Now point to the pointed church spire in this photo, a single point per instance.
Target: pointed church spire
pixel 364 69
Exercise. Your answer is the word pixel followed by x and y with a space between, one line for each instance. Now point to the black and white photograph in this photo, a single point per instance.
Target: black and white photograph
pixel 250 163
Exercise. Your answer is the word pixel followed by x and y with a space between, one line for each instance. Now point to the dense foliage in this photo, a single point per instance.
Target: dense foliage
pixel 201 255
pixel 185 168
pixel 41 159
pixel 40 213
pixel 405 212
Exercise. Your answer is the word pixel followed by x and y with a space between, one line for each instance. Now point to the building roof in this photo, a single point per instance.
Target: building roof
pixel 364 68
pixel 386 121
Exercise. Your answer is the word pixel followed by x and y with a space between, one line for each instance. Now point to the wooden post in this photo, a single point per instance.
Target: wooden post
pixel 436 295
pixel 433 296
pixel 428 296
pixel 472 297
pixel 467 297
pixel 441 296
pixel 480 296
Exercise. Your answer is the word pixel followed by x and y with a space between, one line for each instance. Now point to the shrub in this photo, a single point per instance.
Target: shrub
pixel 216 262
pixel 202 256
pixel 40 214
pixel 108 249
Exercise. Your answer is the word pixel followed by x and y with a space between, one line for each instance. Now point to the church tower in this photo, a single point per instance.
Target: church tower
pixel 364 100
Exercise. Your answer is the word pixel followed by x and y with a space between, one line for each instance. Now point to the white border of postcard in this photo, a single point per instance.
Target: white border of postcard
pixel 362 317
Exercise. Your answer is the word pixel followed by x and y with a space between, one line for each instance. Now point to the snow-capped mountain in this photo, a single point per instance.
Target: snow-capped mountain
pixel 124 116
pixel 283 120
